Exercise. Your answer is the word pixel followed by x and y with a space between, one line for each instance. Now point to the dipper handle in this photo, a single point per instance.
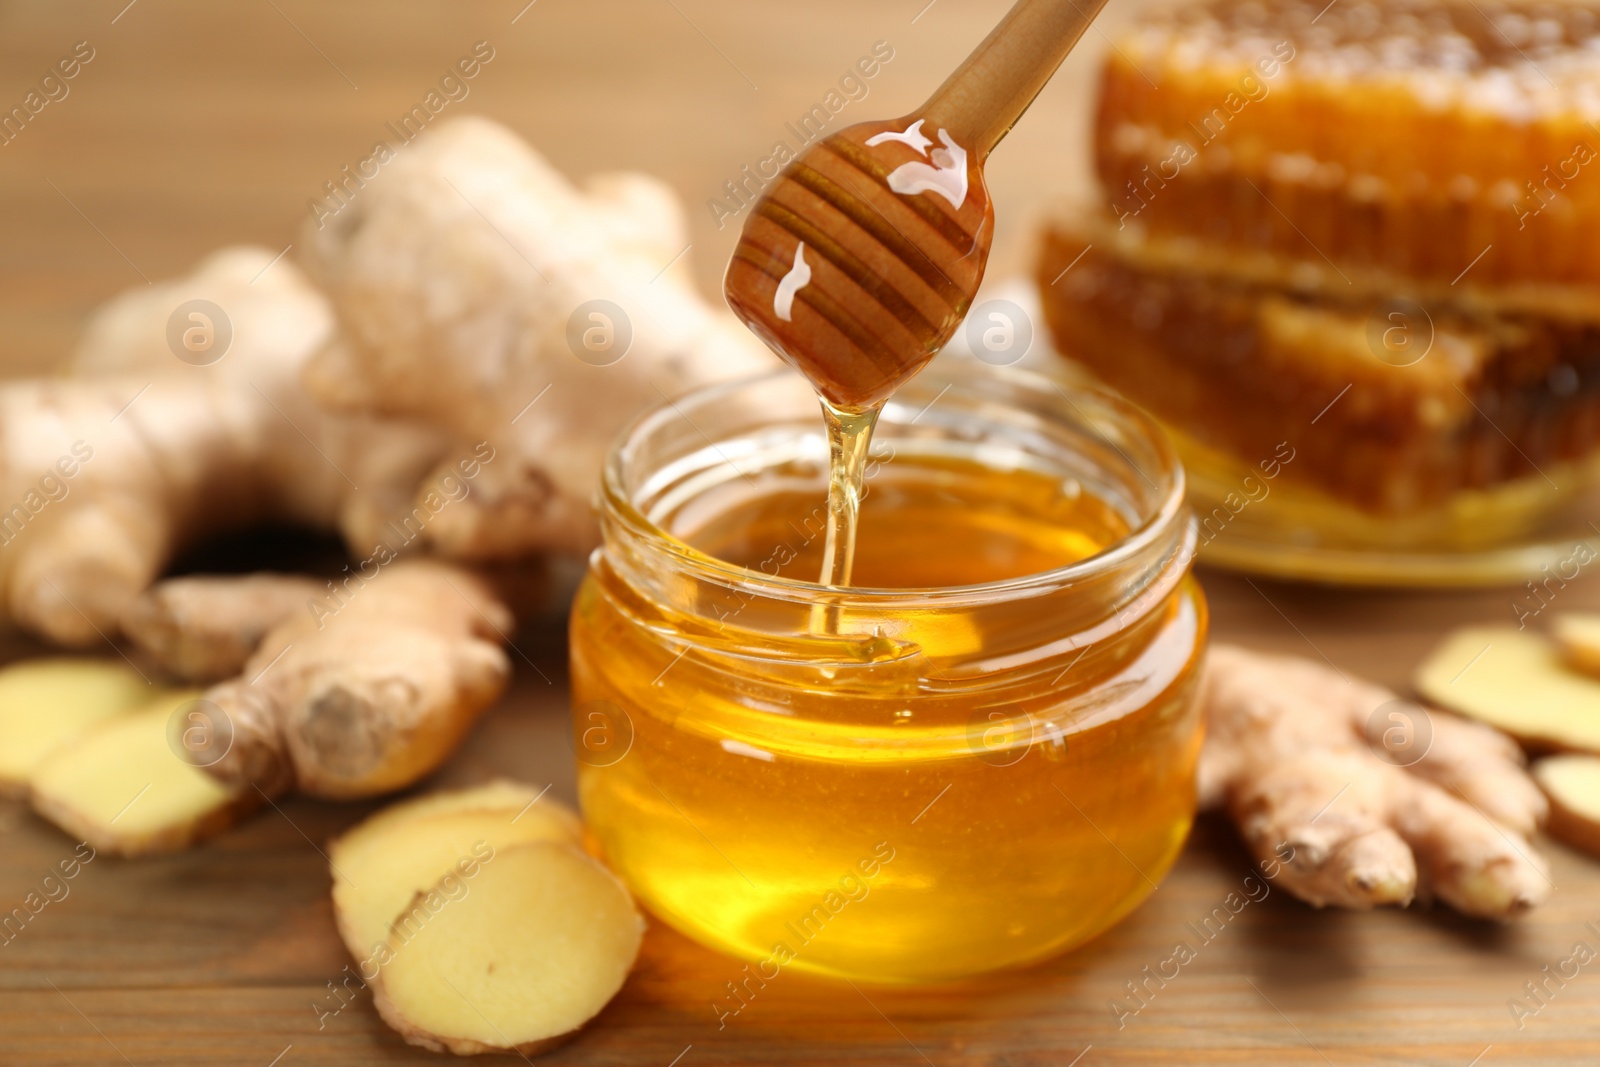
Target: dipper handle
pixel 988 93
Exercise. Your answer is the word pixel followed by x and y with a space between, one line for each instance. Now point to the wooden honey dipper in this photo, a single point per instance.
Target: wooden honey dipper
pixel 859 262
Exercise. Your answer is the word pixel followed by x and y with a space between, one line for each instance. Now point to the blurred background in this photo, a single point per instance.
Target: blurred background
pixel 198 124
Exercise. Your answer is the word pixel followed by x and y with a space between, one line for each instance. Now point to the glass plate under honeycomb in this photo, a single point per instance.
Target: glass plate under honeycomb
pixel 1527 529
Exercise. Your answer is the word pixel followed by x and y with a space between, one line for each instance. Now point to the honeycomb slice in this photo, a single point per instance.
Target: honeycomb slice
pixel 1391 405
pixel 1431 138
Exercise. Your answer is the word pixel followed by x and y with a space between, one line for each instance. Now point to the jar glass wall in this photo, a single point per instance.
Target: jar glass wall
pixel 981 756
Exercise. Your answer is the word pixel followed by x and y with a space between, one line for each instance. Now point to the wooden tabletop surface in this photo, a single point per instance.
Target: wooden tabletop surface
pixel 199 124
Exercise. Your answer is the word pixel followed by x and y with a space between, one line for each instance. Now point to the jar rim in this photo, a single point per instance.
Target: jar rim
pixel 1170 508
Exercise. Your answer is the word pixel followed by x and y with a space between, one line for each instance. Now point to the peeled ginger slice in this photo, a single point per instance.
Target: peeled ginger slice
pixel 1573 785
pixel 517 958
pixel 492 795
pixel 121 787
pixel 1514 680
pixel 381 864
pixel 46 702
pixel 1578 634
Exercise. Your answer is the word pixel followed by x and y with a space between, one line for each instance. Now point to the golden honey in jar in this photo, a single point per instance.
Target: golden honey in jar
pixel 980 754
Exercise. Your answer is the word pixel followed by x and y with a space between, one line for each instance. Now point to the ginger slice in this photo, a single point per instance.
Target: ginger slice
pixel 121 787
pixel 1578 635
pixel 1572 783
pixel 493 795
pixel 517 958
pixel 381 864
pixel 1515 681
pixel 46 702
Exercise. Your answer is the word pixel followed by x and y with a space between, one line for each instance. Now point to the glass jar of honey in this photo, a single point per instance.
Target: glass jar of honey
pixel 980 754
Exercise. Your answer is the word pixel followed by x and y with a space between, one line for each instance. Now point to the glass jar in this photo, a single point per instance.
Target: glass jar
pixel 984 760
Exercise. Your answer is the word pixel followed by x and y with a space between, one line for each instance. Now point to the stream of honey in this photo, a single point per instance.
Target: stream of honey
pixel 849 439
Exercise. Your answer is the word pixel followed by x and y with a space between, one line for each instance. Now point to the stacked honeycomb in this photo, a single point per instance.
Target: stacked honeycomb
pixel 1409 135
pixel 1370 230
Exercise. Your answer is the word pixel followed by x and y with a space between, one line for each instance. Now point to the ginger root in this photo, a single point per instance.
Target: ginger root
pixel 1572 783
pixel 1356 799
pixel 463 275
pixel 364 691
pixel 517 958
pixel 385 861
pixel 1516 681
pixel 107 473
pixel 205 629
pixel 122 785
pixel 465 278
pixel 45 703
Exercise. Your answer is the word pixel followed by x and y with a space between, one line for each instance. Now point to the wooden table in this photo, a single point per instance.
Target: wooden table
pixel 199 124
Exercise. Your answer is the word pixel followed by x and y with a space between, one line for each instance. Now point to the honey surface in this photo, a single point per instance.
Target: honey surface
pixel 1022 524
pixel 934 806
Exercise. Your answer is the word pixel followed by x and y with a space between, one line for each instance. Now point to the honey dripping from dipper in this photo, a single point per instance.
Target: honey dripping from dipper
pixel 860 261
